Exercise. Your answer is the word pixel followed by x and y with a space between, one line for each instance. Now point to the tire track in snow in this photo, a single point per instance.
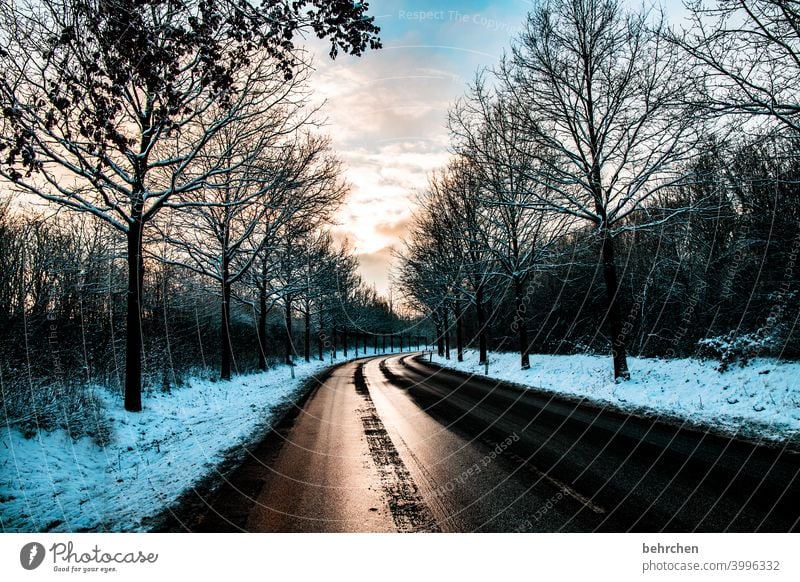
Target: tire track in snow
pixel 409 512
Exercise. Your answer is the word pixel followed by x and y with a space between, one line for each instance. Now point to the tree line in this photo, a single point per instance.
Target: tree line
pixel 63 297
pixel 619 184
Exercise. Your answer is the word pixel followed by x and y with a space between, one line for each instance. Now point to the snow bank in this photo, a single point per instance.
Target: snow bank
pixel 52 483
pixel 761 400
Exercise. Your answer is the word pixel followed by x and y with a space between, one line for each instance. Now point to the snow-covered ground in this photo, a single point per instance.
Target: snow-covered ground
pixel 52 483
pixel 761 400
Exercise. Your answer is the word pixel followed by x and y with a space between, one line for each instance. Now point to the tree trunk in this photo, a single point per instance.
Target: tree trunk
pixel 383 339
pixel 446 325
pixel 320 342
pixel 481 317
pixel 307 338
pixel 262 329
pixel 375 344
pixel 439 340
pixel 355 343
pixel 225 325
pixel 391 343
pixel 289 336
pixel 364 337
pixel 133 332
pixel 521 322
pixel 614 314
pixel 344 341
pixel 333 342
pixel 460 332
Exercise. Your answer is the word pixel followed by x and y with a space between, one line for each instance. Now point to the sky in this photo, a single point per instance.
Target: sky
pixel 387 110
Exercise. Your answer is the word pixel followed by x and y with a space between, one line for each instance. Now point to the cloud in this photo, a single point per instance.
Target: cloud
pixel 376 268
pixel 393 230
pixel 387 111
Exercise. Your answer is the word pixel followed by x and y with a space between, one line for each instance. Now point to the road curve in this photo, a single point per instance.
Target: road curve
pixel 394 443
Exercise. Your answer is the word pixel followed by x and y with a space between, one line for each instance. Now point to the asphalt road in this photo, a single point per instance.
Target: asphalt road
pixel 394 443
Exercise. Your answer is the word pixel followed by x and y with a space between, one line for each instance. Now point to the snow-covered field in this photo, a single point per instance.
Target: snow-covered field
pixel 761 400
pixel 52 483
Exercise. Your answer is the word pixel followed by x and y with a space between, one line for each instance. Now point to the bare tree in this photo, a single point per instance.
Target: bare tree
pixel 103 102
pixel 747 57
pixel 456 195
pixel 418 270
pixel 347 285
pixel 220 230
pixel 315 193
pixel 602 99
pixel 12 240
pixel 319 261
pixel 429 271
pixel 519 232
pixel 334 283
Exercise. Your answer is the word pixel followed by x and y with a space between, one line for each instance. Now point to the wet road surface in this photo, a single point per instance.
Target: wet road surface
pixel 394 443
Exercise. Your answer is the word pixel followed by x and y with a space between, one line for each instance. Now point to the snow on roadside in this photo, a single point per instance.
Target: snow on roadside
pixel 52 483
pixel 760 400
